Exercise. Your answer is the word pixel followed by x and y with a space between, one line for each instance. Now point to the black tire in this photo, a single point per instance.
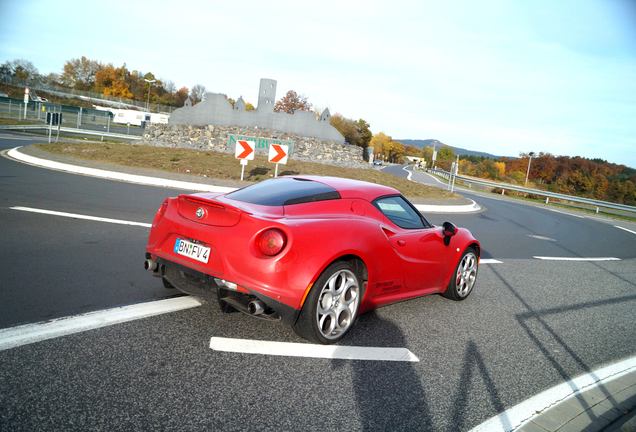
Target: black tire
pixel 463 282
pixel 340 315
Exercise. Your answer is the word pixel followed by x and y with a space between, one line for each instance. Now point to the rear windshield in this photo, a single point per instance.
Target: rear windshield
pixel 284 191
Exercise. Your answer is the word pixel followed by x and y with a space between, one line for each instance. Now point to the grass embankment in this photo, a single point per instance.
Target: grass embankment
pixel 225 166
pixel 13 121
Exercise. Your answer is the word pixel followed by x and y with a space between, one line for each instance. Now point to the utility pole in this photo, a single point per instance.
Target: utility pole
pixel 149 86
pixel 528 172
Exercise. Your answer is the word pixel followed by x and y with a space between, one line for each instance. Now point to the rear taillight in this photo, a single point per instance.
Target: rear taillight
pixel 270 242
pixel 160 212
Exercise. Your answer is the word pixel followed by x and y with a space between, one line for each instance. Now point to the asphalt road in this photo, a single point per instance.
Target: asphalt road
pixel 529 325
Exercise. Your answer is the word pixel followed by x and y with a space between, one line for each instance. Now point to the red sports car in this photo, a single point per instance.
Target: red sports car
pixel 314 252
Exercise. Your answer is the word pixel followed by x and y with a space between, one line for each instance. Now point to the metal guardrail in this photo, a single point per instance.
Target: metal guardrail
pixel 547 194
pixel 71 130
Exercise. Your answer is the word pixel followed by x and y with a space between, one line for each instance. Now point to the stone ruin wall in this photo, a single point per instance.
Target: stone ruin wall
pixel 215 138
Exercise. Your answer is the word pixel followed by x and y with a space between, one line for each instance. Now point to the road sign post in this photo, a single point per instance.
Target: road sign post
pixel 26 101
pixel 244 150
pixel 278 153
pixel 49 120
pixel 59 124
pixel 455 171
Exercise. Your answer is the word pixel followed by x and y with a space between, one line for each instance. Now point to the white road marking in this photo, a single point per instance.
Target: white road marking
pixel 161 182
pixel 112 175
pixel 433 208
pixel 538 237
pixel 576 258
pixel 410 173
pixel 290 349
pixel 569 214
pixel 79 216
pixel 625 229
pixel 489 261
pixel 30 333
pixel 515 417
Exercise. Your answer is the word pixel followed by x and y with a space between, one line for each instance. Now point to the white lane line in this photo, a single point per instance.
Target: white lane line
pixel 112 175
pixel 538 237
pixel 464 208
pixel 520 414
pixel 576 258
pixel 489 261
pixel 79 216
pixel 568 214
pixel 30 333
pixel 410 173
pixel 625 229
pixel 290 349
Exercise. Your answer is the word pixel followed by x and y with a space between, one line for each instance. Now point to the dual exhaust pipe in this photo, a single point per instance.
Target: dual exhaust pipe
pixel 254 307
pixel 151 265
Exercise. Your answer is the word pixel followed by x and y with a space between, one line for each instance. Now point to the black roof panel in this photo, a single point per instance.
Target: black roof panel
pixel 284 191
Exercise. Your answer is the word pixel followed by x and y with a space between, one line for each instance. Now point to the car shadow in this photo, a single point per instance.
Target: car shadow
pixel 389 394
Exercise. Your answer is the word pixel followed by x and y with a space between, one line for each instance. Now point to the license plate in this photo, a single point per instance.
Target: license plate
pixel 192 250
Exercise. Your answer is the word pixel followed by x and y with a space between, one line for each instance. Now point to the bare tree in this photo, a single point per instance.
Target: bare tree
pixel 197 92
pixel 169 86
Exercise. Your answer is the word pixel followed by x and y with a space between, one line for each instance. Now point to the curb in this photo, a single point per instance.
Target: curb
pixel 113 175
pixel 15 154
pixel 559 407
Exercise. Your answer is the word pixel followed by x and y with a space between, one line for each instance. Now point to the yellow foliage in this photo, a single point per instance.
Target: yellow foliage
pixel 379 141
pixel 111 81
pixel 500 168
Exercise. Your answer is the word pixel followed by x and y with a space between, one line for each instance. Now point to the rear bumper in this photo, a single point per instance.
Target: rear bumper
pixel 204 286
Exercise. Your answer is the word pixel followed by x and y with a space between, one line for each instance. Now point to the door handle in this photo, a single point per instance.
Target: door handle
pixel 401 242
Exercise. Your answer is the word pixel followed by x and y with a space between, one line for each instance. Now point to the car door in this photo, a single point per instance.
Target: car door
pixel 419 245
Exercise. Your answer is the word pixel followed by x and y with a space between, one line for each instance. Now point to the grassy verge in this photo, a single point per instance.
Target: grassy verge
pixel 13 121
pixel 225 166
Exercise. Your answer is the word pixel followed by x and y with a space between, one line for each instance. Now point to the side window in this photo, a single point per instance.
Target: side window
pixel 400 212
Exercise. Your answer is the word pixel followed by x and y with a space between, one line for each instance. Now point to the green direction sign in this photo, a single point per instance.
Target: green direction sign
pixel 261 143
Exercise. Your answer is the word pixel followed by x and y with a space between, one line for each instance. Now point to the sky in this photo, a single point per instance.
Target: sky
pixel 504 77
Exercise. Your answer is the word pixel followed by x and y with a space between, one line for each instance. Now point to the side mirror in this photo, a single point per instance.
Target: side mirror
pixel 449 230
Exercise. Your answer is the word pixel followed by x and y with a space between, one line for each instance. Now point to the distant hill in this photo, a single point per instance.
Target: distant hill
pixel 438 144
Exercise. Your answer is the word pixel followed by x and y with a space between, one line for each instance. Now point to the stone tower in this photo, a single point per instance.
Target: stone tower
pixel 266 95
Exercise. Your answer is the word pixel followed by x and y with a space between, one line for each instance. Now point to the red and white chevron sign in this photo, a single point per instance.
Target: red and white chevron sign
pixel 244 150
pixel 278 153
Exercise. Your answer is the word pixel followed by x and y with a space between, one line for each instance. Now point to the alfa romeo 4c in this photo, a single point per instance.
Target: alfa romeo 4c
pixel 314 252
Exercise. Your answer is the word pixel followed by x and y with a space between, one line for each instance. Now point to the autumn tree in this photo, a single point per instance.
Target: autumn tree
pixel 410 150
pixel 396 152
pixel 111 81
pixel 379 142
pixel 292 102
pixel 79 73
pixel 354 132
pixel 181 95
pixel 427 154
